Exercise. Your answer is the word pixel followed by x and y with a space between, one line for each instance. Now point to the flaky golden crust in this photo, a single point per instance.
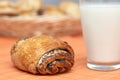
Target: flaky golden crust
pixel 42 55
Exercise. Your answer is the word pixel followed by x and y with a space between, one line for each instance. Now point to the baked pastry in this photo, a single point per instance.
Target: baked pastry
pixel 8 8
pixel 29 5
pixel 53 11
pixel 42 55
pixel 11 8
pixel 70 8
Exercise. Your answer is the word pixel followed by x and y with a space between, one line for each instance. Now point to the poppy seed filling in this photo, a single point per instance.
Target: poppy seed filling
pixel 52 58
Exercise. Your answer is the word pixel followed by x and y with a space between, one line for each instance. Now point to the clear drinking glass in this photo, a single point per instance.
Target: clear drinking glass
pixel 101 28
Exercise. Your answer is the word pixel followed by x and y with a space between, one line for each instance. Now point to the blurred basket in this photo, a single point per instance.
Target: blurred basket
pixel 25 20
pixel 50 26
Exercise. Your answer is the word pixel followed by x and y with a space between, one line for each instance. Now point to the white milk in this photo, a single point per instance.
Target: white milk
pixel 101 27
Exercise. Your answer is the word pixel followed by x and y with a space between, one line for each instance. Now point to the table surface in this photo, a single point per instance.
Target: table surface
pixel 78 72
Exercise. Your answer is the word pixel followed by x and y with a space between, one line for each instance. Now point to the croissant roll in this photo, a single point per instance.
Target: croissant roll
pixel 42 55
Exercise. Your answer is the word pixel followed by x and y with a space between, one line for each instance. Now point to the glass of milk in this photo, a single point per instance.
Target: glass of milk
pixel 101 29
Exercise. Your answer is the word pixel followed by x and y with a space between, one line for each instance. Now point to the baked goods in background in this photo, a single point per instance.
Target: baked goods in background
pixel 42 55
pixel 33 6
pixel 27 18
pixel 70 9
pixel 29 5
pixel 8 8
pixel 53 11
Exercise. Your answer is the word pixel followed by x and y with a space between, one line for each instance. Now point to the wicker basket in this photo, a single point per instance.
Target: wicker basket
pixel 55 26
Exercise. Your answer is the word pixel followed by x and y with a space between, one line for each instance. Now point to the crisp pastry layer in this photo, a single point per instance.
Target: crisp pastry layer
pixel 42 55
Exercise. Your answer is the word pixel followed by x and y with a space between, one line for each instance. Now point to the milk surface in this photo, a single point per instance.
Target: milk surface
pixel 101 28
